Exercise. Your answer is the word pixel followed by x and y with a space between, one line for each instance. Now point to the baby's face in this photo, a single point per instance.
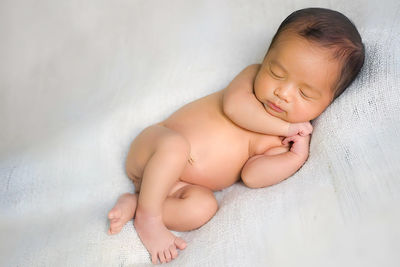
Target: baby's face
pixel 295 80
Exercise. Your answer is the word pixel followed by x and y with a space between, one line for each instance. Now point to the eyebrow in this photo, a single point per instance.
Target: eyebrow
pixel 305 84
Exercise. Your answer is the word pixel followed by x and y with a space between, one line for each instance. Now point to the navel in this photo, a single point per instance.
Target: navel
pixel 191 160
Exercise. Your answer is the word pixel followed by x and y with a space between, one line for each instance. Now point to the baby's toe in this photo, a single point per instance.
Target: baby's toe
pixel 173 251
pixel 180 243
pixel 115 227
pixel 112 231
pixel 161 256
pixel 167 255
pixel 114 213
pixel 154 259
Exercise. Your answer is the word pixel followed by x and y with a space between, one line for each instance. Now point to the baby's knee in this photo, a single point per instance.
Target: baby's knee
pixel 204 206
pixel 175 143
pixel 209 207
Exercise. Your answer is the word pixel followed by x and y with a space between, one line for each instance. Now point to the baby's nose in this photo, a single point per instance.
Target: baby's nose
pixel 283 93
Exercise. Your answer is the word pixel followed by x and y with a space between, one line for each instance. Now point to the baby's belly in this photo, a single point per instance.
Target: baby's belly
pixel 218 147
pixel 216 156
pixel 215 163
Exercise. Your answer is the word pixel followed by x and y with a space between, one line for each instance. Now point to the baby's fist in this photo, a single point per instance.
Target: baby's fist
pixel 300 145
pixel 300 128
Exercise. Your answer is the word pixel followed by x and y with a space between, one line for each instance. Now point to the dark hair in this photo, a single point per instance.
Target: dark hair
pixel 333 30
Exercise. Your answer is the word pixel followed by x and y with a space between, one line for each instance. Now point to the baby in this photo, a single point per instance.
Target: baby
pixel 257 129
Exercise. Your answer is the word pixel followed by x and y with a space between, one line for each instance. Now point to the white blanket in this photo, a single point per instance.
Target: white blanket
pixel 80 79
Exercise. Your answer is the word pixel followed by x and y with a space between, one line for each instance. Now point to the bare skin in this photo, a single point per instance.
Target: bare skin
pixel 201 168
pixel 122 212
pixel 204 147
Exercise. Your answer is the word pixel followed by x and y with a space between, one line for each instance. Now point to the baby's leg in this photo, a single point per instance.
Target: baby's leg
pixel 185 209
pixel 158 155
pixel 189 207
pixel 122 212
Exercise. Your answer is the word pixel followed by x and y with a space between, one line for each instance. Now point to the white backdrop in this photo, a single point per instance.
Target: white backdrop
pixel 80 79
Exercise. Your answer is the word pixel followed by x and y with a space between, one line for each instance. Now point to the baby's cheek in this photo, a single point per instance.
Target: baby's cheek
pixel 303 113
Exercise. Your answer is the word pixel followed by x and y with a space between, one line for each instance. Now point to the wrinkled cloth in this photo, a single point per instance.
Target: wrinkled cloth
pixel 80 79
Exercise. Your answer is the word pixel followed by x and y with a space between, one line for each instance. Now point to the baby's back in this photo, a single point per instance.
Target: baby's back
pixel 219 148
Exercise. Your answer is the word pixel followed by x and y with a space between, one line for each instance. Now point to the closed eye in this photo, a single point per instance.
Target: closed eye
pixel 303 94
pixel 275 75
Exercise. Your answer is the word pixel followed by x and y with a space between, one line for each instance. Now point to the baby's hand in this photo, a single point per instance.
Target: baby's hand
pixel 300 145
pixel 300 128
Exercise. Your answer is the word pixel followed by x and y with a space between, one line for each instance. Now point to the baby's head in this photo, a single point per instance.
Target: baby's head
pixel 314 56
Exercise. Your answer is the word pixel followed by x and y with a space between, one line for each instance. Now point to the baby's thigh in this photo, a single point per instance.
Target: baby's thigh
pixel 189 207
pixel 145 144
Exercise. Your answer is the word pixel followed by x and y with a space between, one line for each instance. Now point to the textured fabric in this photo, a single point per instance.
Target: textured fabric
pixel 80 79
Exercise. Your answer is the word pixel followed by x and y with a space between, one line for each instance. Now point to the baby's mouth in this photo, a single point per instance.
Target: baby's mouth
pixel 273 106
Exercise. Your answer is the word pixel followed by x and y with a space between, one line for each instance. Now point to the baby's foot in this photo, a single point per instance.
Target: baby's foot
pixel 123 211
pixel 158 240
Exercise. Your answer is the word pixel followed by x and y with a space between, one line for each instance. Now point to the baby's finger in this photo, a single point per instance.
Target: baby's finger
pixel 306 130
pixel 303 132
pixel 310 127
pixel 284 141
pixel 288 139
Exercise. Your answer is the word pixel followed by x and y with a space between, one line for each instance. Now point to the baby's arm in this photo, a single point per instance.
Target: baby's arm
pixel 276 165
pixel 243 108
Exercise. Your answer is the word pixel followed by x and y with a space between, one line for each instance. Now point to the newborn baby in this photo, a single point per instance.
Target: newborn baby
pixel 257 129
